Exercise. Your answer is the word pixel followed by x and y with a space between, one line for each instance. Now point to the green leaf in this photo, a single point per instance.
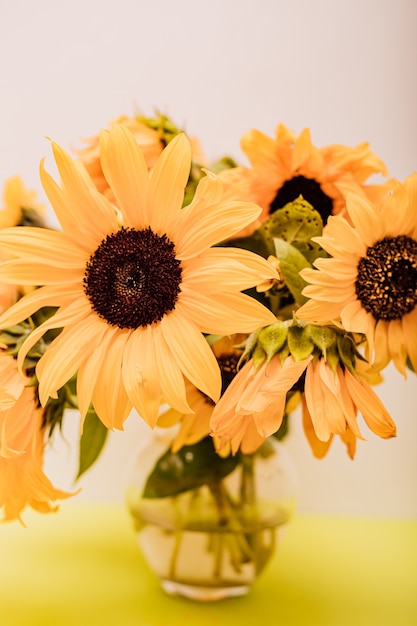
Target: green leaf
pixel 291 262
pixel 91 442
pixel 255 243
pixel 192 466
pixel 283 430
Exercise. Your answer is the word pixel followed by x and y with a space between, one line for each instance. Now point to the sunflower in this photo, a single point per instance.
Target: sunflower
pixel 195 426
pixel 254 404
pixel 20 205
pixel 369 284
pixel 148 139
pixel 286 166
pixel 22 480
pixel 332 400
pixel 151 134
pixel 134 298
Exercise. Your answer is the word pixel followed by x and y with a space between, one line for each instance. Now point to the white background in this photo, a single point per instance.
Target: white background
pixel 219 68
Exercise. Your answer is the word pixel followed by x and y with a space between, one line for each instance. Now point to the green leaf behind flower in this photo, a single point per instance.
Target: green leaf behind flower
pixel 192 466
pixel 291 262
pixel 91 442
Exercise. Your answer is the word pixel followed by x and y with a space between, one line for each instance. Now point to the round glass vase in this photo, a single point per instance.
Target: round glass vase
pixel 208 526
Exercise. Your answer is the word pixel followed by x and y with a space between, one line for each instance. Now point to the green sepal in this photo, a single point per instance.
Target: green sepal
pixel 347 351
pixel 249 347
pixel 259 355
pixel 92 441
pixel 272 338
pixel 291 262
pixel 299 342
pixel 323 336
pixel 162 124
pixel 191 467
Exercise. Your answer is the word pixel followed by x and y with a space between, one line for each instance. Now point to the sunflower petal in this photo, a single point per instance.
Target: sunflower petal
pixel 167 185
pixel 126 171
pixel 110 401
pixel 171 378
pixel 375 414
pixel 140 375
pixel 89 369
pixel 193 354
pixel 65 354
pixel 22 272
pixel 93 215
pixel 233 268
pixel 409 323
pixel 53 246
pixel 201 226
pixel 221 314
pixel 75 311
pixel 366 219
pixel 49 295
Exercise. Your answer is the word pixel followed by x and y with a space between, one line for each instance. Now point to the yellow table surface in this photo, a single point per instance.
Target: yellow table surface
pixel 82 567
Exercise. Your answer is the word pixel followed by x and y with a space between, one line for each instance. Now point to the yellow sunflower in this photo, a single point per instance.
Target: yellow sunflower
pixel 20 205
pixel 286 166
pixel 333 399
pixel 22 480
pixel 195 426
pixel 253 406
pixel 135 298
pixel 369 284
pixel 148 139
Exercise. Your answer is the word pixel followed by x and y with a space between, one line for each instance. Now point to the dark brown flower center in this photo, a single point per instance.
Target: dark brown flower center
pixel 310 190
pixel 228 363
pixel 133 278
pixel 228 368
pixel 387 278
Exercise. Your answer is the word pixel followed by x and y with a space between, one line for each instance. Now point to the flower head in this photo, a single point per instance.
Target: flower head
pixel 151 134
pixel 196 425
pixel 286 166
pixel 20 208
pixel 20 205
pixel 333 399
pixel 22 480
pixel 369 284
pixel 135 287
pixel 253 406
pixel 148 139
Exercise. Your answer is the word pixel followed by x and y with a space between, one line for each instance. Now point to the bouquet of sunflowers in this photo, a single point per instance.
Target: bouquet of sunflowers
pixel 214 296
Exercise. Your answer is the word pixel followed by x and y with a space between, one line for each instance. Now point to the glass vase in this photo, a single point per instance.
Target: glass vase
pixel 218 525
